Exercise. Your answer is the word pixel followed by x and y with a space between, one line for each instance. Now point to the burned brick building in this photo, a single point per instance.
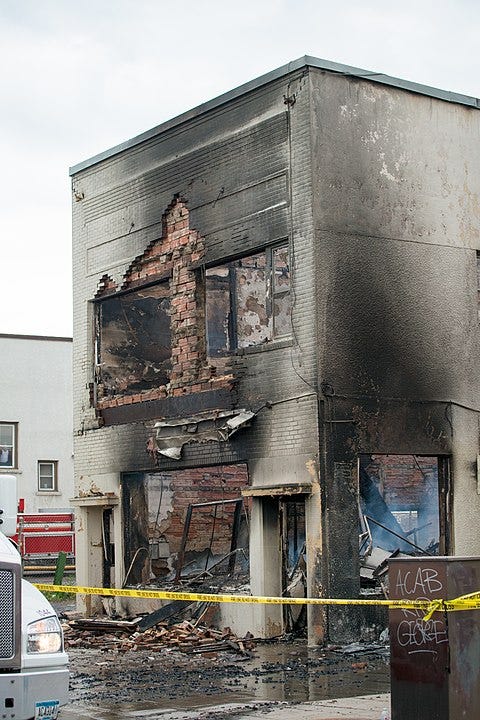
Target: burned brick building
pixel 276 341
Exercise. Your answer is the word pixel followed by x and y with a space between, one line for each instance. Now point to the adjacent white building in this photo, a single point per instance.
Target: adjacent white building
pixel 36 428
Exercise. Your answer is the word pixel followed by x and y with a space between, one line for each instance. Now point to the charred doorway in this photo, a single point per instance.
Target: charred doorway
pixel 404 508
pixel 185 526
pixel 294 566
pixel 108 546
pixel 279 553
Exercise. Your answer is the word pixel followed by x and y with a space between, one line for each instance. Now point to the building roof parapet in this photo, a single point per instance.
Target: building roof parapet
pixel 293 66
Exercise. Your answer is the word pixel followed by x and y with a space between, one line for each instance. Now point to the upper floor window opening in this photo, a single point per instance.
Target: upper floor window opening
pixel 248 301
pixel 8 445
pixel 47 476
pixel 133 341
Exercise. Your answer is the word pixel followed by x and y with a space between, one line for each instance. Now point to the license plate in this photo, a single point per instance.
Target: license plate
pixel 47 710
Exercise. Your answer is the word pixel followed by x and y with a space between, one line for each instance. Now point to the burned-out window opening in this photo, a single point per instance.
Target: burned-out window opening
pixel 219 317
pixel 402 509
pixel 281 299
pixel 133 340
pixel 184 524
pixel 248 301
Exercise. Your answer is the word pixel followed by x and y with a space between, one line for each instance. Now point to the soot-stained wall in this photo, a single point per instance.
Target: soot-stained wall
pixel 375 191
pixel 395 192
pixel 232 170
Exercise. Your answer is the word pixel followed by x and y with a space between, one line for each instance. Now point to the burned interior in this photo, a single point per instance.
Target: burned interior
pixel 248 301
pixel 402 510
pixel 185 526
pixel 191 528
pixel 133 340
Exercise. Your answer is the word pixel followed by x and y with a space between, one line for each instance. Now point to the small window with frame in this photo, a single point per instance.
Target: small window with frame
pixel 8 445
pixel 47 476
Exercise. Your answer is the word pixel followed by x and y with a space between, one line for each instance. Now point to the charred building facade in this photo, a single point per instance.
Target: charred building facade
pixel 276 341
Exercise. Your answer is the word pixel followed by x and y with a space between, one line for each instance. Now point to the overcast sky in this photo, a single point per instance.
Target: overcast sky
pixel 79 77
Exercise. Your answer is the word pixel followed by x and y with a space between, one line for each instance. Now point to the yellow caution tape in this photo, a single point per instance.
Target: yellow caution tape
pixel 435 606
pixel 467 602
pixel 464 602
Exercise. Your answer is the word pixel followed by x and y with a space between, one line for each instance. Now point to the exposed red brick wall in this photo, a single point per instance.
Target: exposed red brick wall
pixel 203 485
pixel 175 256
pixel 404 479
pixel 106 286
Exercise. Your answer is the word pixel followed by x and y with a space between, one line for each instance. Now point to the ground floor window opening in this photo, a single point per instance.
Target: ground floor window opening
pixel 187 527
pixel 404 509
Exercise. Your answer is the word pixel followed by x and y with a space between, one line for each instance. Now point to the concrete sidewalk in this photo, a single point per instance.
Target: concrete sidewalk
pixel 366 707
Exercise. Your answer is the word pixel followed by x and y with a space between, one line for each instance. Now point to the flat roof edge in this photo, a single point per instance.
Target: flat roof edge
pixel 293 66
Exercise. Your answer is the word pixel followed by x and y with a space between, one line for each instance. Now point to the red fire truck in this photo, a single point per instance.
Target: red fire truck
pixel 42 536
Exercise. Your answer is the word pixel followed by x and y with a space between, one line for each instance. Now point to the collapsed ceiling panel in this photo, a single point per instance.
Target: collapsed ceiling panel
pixel 213 425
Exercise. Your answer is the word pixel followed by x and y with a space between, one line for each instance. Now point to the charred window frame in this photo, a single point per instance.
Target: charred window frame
pixel 132 340
pixel 8 445
pixel 405 503
pixel 248 301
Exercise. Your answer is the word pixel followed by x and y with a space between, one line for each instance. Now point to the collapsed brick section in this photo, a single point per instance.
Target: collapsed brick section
pixel 157 512
pixel 199 485
pixel 174 258
pixel 106 286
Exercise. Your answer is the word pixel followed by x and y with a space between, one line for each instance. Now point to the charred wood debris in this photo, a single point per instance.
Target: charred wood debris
pixel 184 636
pixel 160 630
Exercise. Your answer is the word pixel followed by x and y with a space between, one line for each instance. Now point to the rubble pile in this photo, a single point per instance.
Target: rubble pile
pixel 183 636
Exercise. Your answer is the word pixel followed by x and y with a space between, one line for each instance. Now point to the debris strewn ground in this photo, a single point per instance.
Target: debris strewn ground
pixel 123 635
pixel 107 675
pixel 186 668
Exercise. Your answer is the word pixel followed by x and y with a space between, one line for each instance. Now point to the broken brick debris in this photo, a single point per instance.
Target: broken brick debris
pixel 123 635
